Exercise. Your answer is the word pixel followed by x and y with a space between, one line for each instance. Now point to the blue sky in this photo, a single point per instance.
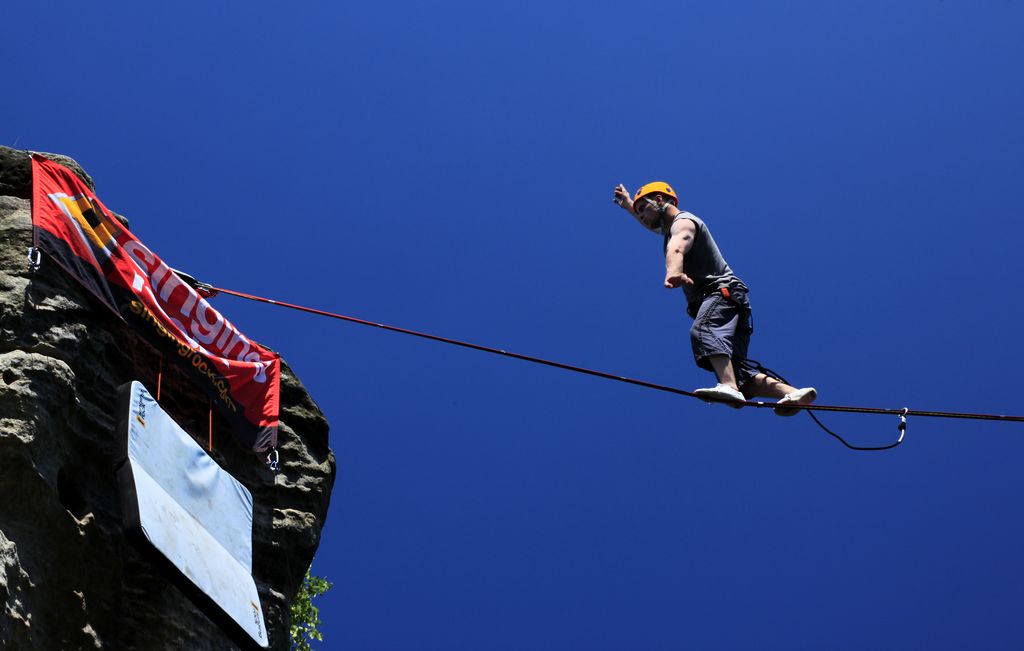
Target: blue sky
pixel 448 167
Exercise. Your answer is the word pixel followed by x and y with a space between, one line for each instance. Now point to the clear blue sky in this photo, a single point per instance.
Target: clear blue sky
pixel 449 167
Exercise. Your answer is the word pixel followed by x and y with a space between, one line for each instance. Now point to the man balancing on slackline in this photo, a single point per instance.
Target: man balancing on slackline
pixel 716 300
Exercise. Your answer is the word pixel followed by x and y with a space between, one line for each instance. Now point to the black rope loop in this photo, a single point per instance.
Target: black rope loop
pixel 859 448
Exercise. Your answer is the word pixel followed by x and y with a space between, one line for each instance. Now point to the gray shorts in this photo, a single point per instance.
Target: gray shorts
pixel 723 327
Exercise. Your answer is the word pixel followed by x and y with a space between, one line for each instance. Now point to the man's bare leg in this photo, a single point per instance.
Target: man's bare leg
pixel 762 386
pixel 726 390
pixel 722 365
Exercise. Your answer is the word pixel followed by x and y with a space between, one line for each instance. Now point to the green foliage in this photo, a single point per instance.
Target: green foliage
pixel 306 616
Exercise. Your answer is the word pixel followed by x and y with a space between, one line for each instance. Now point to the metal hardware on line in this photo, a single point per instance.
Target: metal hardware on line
pixel 273 460
pixel 902 427
pixel 35 258
pixel 205 290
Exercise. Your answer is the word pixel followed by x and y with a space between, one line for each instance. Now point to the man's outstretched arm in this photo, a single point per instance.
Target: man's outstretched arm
pixel 679 243
pixel 622 198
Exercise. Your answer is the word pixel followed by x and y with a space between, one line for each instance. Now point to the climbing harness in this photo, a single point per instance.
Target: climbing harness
pixel 902 413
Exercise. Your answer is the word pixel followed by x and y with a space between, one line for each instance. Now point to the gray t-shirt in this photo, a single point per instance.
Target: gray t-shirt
pixel 704 264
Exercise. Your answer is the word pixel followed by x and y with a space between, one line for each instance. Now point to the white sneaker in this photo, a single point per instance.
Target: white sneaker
pixel 722 393
pixel 798 397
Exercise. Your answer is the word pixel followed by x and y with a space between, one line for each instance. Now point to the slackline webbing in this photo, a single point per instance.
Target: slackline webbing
pixel 619 378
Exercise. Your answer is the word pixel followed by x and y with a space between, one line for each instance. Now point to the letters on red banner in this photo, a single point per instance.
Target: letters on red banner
pixel 75 229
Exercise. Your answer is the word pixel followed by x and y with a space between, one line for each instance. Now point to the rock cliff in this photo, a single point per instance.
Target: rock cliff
pixel 69 579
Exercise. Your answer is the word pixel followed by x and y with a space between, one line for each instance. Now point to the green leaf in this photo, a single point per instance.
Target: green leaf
pixel 305 616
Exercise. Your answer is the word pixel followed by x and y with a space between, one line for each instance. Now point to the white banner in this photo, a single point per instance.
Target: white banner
pixel 191 510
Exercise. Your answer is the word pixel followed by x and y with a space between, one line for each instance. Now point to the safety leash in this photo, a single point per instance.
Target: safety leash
pixel 902 426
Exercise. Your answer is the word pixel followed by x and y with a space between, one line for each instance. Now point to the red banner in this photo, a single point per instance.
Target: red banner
pixel 74 228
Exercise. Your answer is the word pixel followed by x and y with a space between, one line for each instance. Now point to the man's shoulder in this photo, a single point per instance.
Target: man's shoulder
pixel 683 222
pixel 684 215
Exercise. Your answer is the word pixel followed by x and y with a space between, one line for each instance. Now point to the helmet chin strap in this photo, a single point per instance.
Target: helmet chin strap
pixel 660 207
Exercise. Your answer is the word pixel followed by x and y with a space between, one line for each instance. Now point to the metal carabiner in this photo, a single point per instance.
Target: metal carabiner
pixel 902 427
pixel 205 290
pixel 273 460
pixel 35 258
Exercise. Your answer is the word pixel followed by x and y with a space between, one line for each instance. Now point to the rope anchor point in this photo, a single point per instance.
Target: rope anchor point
pixel 35 258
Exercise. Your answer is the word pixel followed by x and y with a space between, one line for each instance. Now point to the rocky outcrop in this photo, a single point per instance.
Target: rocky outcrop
pixel 69 579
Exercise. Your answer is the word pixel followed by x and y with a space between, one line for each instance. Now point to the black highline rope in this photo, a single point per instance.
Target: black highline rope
pixel 211 290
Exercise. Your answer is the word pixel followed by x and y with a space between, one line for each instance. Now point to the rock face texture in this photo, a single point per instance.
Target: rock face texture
pixel 69 578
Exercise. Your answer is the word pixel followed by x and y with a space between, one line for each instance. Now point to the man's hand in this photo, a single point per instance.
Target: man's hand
pixel 677 280
pixel 622 197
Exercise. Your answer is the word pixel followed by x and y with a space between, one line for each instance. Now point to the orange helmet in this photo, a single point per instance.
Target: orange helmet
pixel 657 187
